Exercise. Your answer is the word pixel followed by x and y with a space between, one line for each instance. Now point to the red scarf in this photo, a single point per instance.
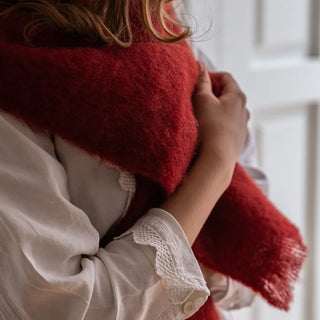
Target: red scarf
pixel 133 107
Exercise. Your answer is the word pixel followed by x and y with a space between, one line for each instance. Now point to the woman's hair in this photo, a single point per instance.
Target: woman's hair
pixel 97 21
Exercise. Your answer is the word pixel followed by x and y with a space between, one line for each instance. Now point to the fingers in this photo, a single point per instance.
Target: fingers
pixel 227 82
pixel 204 85
pixel 204 82
pixel 229 87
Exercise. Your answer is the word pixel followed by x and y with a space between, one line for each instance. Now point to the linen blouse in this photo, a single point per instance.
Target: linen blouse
pixel 56 202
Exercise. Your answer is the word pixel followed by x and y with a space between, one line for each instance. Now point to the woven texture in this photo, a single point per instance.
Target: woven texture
pixel 132 107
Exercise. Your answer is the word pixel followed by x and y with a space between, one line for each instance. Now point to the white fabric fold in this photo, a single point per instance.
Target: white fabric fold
pixel 51 266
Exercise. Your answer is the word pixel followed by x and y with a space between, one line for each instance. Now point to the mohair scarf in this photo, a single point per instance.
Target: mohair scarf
pixel 132 106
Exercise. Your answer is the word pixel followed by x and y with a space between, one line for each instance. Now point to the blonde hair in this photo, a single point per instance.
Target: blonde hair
pixel 102 21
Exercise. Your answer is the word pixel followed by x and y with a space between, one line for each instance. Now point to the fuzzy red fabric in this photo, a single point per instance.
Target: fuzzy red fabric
pixel 133 107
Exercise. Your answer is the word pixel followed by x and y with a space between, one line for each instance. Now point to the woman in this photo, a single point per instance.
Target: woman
pixel 58 201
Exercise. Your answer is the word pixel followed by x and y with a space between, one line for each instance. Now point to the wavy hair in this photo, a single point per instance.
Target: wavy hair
pixel 96 21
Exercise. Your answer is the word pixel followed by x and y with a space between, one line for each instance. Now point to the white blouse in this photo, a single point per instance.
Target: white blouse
pixel 56 202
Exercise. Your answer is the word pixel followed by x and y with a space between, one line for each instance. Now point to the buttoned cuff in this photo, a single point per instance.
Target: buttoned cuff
pixel 167 248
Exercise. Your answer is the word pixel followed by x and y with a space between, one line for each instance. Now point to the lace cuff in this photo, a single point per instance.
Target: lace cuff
pixel 167 248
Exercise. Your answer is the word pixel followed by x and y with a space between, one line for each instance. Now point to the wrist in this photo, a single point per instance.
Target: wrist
pixel 218 162
pixel 195 197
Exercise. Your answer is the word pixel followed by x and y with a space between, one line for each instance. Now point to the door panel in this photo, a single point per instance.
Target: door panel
pixel 276 33
pixel 272 49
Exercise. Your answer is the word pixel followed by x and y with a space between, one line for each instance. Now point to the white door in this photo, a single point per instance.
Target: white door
pixel 272 48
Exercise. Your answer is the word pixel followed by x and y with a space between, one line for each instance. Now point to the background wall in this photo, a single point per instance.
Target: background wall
pixel 272 48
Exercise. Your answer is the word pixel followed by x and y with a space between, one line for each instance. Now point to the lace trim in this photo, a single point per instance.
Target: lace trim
pixel 127 182
pixel 179 287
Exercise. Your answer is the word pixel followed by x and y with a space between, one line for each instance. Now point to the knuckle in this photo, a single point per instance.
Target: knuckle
pixel 201 93
pixel 201 97
pixel 204 85
pixel 242 96
pixel 228 76
pixel 248 114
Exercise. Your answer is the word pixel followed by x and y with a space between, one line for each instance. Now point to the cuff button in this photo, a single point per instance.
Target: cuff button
pixel 188 308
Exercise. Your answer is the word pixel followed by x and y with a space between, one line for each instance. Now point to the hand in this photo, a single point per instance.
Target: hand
pixel 222 130
pixel 222 120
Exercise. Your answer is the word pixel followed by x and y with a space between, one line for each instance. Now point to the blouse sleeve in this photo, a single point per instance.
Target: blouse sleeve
pixel 51 265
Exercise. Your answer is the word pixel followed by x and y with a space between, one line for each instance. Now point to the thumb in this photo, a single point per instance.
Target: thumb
pixel 204 82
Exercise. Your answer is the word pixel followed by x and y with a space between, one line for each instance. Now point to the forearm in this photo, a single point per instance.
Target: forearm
pixel 196 196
